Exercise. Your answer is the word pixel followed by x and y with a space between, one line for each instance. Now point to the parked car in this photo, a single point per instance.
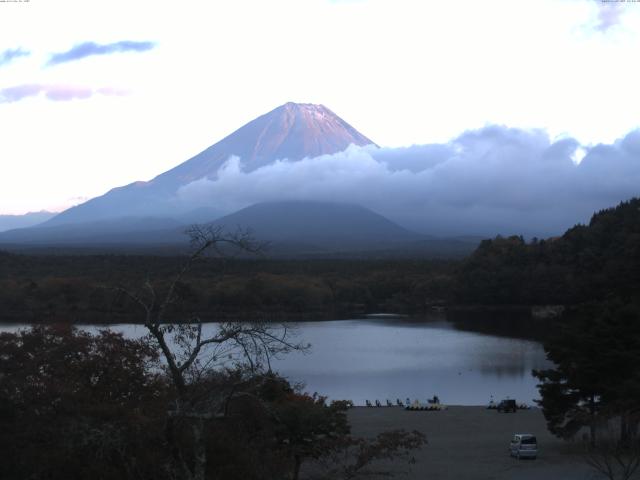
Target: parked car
pixel 523 445
pixel 508 405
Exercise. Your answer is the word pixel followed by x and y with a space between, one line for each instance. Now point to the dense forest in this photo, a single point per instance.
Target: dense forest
pixel 84 288
pixel 588 262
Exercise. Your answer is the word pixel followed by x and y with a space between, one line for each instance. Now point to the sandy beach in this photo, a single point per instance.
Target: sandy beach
pixel 471 443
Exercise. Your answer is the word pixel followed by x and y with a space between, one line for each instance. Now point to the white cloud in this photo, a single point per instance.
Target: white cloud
pixel 485 181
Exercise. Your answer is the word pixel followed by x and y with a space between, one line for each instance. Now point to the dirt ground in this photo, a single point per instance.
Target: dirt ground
pixel 472 443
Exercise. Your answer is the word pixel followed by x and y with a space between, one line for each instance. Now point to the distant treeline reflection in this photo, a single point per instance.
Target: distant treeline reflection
pixel 508 321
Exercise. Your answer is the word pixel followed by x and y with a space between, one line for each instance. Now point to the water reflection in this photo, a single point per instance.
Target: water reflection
pixel 397 358
pixel 389 359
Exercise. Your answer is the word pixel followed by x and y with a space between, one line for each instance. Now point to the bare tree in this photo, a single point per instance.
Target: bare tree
pixel 191 349
pixel 615 457
pixel 350 457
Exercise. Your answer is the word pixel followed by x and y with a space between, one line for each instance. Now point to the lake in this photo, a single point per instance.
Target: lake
pixel 398 358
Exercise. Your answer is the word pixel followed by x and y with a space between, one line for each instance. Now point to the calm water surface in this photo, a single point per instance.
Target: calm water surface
pixel 394 358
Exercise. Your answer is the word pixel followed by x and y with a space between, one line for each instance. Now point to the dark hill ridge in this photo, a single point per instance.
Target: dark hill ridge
pixel 293 131
pixel 292 229
pixel 123 230
pixel 316 225
pixel 9 222
pixel 319 225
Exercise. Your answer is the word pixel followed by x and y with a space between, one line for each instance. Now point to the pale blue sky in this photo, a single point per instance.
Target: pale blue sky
pixel 98 94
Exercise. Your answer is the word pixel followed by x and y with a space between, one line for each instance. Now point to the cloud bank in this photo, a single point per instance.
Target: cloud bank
pixel 484 182
pixel 54 92
pixel 10 55
pixel 88 49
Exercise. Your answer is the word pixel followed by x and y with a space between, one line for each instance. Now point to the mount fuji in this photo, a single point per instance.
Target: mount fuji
pixel 145 214
pixel 293 131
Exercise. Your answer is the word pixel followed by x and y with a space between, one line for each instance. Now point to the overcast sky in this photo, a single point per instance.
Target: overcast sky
pixel 97 94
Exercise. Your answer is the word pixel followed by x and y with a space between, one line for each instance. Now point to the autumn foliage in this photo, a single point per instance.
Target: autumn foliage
pixel 75 405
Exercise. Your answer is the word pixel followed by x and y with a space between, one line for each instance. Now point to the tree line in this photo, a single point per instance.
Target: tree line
pixel 587 262
pixel 45 289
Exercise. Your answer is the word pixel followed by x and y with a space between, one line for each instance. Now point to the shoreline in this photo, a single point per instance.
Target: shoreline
pixel 471 442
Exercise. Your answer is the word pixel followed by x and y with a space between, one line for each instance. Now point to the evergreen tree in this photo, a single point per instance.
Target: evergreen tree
pixel 597 370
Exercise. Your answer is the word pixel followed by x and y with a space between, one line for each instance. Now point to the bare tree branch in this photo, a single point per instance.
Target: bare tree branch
pixel 612 457
pixel 183 343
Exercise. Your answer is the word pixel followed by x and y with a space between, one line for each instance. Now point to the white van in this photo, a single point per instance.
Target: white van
pixel 523 445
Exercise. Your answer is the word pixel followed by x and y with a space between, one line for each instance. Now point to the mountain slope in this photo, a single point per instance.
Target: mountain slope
pixel 292 131
pixel 293 229
pixel 124 231
pixel 9 222
pixel 297 225
pixel 318 226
